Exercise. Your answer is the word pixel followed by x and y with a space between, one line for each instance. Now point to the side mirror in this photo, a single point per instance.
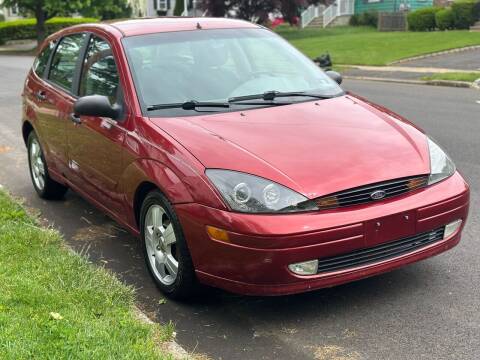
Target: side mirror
pixel 335 76
pixel 97 105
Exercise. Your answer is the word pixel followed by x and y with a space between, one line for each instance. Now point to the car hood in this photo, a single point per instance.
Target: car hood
pixel 315 147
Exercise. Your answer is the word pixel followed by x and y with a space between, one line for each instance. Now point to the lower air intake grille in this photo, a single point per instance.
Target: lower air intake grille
pixel 380 252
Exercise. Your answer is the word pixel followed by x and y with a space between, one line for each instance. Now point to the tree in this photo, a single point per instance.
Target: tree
pixel 106 9
pixel 216 8
pixel 44 10
pixel 257 11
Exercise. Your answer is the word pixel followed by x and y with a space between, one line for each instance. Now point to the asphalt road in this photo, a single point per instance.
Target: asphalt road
pixel 429 310
pixel 464 60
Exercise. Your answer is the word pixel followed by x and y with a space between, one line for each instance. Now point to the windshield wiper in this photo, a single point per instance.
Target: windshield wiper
pixel 192 105
pixel 272 95
pixel 188 105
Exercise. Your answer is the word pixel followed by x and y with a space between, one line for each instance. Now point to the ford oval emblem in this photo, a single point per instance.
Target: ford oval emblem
pixel 377 195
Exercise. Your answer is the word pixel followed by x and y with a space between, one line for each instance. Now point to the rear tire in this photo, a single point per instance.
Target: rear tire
pixel 165 249
pixel 44 185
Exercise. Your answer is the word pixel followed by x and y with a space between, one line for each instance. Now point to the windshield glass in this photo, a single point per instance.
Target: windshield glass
pixel 215 65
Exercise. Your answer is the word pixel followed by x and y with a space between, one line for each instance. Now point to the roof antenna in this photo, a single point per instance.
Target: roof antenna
pixel 199 27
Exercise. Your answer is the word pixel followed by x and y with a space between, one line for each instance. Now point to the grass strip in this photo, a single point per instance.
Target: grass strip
pixel 454 76
pixel 54 304
pixel 367 46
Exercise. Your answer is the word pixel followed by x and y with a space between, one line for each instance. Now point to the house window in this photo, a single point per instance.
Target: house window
pixel 161 5
pixel 14 10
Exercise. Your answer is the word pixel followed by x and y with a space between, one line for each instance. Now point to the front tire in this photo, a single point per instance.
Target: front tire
pixel 45 187
pixel 165 249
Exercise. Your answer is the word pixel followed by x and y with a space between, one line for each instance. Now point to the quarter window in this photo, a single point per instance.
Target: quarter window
pixel 99 73
pixel 65 59
pixel 41 61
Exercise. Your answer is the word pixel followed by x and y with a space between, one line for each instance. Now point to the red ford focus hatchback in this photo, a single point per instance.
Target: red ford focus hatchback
pixel 237 161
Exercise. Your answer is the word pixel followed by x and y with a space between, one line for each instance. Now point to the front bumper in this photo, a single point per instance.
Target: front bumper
pixel 255 261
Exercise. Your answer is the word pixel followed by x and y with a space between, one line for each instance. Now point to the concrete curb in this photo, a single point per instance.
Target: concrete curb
pixel 457 84
pixel 451 51
pixel 172 347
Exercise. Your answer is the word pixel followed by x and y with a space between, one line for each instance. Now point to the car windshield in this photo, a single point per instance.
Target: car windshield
pixel 218 65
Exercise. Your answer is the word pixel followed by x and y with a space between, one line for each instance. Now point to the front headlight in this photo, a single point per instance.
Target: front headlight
pixel 252 194
pixel 441 167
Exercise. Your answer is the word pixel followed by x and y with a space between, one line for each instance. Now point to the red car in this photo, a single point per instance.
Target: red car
pixel 238 162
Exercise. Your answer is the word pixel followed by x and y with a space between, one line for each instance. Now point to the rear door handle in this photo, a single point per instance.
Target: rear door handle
pixel 41 95
pixel 75 119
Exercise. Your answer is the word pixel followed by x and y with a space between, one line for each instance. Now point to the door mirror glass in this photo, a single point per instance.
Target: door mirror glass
pixel 97 105
pixel 335 76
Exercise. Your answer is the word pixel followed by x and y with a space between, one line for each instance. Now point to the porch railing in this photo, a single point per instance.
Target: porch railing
pixel 309 14
pixel 338 8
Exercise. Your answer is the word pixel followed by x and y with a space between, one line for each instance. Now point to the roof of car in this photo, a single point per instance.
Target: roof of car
pixel 165 24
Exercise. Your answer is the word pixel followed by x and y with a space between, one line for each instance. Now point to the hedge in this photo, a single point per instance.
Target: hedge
pixel 25 28
pixel 422 19
pixel 445 19
pixel 464 13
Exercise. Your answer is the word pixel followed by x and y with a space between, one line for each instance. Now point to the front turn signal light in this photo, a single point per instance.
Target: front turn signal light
pixel 218 234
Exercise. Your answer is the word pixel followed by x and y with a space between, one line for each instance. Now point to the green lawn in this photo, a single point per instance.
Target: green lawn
pixel 56 305
pixel 367 46
pixel 456 76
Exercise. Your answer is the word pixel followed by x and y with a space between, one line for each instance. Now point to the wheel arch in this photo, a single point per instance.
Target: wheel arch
pixel 141 193
pixel 27 128
pixel 145 175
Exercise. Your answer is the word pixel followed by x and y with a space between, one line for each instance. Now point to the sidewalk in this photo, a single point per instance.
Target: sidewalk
pixel 404 74
pixel 26 47
pixel 457 64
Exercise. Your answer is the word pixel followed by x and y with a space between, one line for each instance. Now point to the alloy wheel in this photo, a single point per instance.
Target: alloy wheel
pixel 160 241
pixel 37 165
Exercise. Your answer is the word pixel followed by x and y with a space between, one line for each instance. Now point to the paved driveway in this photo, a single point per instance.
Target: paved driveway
pixel 464 60
pixel 429 310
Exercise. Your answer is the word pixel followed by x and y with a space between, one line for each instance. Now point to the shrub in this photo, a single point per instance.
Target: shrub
pixel 178 10
pixel 464 13
pixel 25 28
pixel 476 11
pixel 354 20
pixel 422 19
pixel 2 17
pixel 445 19
pixel 368 18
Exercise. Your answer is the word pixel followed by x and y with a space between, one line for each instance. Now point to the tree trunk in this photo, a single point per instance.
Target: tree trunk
pixel 217 8
pixel 40 26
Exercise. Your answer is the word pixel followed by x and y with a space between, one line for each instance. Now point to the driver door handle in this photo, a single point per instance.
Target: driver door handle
pixel 75 119
pixel 41 95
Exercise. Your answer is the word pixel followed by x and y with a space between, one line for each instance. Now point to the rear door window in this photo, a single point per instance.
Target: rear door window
pixel 62 70
pixel 41 62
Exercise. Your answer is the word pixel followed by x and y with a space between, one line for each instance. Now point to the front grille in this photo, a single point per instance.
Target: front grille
pixel 380 252
pixel 370 193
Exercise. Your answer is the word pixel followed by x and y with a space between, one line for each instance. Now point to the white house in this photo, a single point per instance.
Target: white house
pixel 10 13
pixel 153 8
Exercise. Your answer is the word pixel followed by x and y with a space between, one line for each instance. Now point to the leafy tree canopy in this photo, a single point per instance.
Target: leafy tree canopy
pixel 257 11
pixel 46 9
